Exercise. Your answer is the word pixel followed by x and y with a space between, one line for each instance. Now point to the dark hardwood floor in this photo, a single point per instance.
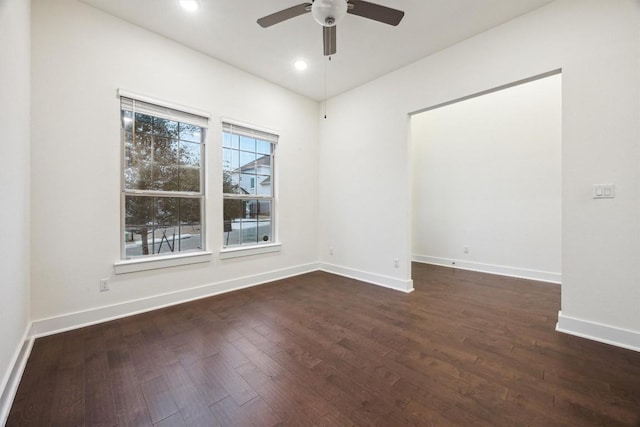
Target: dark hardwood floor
pixel 464 349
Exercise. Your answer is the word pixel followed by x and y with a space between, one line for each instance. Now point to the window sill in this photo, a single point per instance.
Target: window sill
pixel 143 264
pixel 249 250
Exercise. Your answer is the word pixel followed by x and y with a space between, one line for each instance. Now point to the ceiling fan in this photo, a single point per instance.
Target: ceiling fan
pixel 329 12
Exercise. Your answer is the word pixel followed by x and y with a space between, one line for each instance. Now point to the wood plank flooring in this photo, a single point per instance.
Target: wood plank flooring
pixel 464 349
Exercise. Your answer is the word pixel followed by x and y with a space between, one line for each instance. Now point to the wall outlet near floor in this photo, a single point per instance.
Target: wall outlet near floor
pixel 466 249
pixel 104 285
pixel 330 250
pixel 396 263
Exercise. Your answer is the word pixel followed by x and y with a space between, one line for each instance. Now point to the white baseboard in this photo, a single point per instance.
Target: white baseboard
pixel 598 332
pixel 376 279
pixel 522 273
pixel 70 321
pixel 11 380
pixel 93 316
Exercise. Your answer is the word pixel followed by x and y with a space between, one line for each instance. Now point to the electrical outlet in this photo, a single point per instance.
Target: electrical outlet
pixel 330 250
pixel 396 263
pixel 466 249
pixel 104 285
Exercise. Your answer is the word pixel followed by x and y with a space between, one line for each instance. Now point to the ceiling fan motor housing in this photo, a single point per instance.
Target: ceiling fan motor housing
pixel 328 12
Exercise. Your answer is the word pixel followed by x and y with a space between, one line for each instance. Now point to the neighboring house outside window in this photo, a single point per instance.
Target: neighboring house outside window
pixel 248 191
pixel 163 194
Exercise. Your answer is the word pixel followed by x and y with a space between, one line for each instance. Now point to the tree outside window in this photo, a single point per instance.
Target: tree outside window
pixel 163 194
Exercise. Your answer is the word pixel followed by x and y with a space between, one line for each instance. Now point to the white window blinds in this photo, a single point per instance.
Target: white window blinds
pixel 248 132
pixel 143 107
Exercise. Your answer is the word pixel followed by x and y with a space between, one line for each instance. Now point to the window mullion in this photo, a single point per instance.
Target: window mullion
pixel 246 196
pixel 155 193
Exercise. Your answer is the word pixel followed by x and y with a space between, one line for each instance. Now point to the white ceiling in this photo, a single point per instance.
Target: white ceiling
pixel 227 30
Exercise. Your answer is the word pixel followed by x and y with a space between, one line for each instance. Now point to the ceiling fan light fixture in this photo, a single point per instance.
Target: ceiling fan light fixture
pixel 189 5
pixel 328 12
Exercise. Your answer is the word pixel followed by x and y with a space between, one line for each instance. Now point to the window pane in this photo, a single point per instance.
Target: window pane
pixel 249 231
pixel 189 179
pixel 248 183
pixel 143 123
pixel 190 237
pixel 256 224
pixel 165 178
pixel 247 144
pixel 226 139
pixel 190 153
pixel 166 240
pixel 263 165
pixel 231 183
pixel 165 127
pixel 247 161
pixel 166 211
pixel 190 212
pixel 250 222
pixel 233 210
pixel 138 212
pixel 161 225
pixel 130 176
pixel 231 175
pixel 165 151
pixel 264 231
pixel 264 221
pixel 263 209
pixel 138 177
pixel 127 121
pixel 190 133
pixel 137 173
pixel 142 147
pixel 127 137
pixel 233 213
pixel 228 157
pixel 189 232
pixel 235 141
pixel 138 225
pixel 263 187
pixel 263 147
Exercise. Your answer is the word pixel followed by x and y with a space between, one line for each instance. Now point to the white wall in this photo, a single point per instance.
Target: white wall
pixel 486 176
pixel 364 152
pixel 15 69
pixel 81 56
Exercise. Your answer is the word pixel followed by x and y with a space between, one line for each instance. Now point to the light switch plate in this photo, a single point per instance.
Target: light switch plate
pixel 604 191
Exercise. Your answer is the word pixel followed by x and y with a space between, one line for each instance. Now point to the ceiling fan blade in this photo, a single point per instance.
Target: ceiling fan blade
pixel 376 12
pixel 329 40
pixel 283 15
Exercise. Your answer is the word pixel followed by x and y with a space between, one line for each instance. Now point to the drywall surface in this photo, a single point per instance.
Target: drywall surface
pixel 487 184
pixel 14 180
pixel 365 179
pixel 81 57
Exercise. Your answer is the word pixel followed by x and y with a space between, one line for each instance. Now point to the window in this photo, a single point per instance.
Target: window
pixel 247 177
pixel 163 197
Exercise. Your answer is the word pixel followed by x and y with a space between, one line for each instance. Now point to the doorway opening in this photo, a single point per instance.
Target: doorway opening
pixel 486 181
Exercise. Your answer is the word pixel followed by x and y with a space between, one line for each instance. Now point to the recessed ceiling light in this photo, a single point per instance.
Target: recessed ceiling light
pixel 300 65
pixel 189 5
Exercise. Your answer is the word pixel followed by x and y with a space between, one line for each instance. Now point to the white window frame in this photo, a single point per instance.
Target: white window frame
pixel 172 111
pixel 273 245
